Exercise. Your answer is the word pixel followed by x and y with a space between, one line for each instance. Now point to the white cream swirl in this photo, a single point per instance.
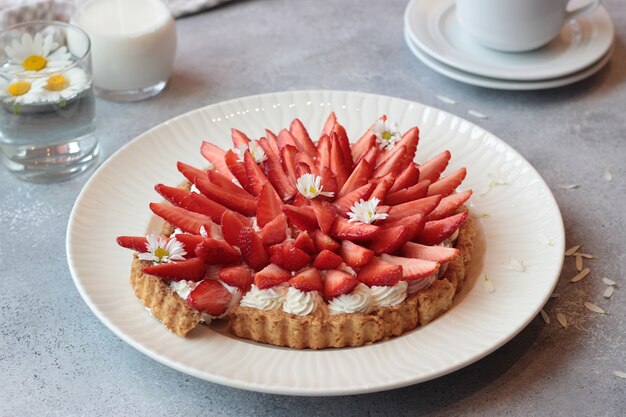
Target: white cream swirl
pixel 358 301
pixel 389 296
pixel 301 303
pixel 266 299
pixel 420 283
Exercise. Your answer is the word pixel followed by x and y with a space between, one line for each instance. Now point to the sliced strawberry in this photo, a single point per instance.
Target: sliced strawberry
pixel 276 175
pixel 309 279
pixel 299 132
pixel 325 214
pixel 238 169
pixel 436 231
pixel 327 260
pixel 272 140
pixel 288 257
pixel 240 276
pixel 208 207
pixel 288 161
pixel 190 172
pixel 228 185
pixel 217 252
pixel 355 255
pixel 331 121
pixel 439 254
pixel 380 273
pixel 304 242
pixel 383 209
pixel 245 206
pixel 448 205
pixel 412 268
pixel 136 243
pixel 285 138
pixel 415 192
pixel 358 178
pixel 445 186
pixel 255 174
pixel 269 205
pixel 179 217
pixel 358 232
pixel 190 270
pixel 371 155
pixel 394 164
pixel 215 155
pixel 390 239
pixel 414 225
pixel 323 152
pixel 301 169
pixel 302 217
pixel 323 241
pixel 407 178
pixel 337 164
pixel 305 158
pixel 239 138
pixel 363 145
pixel 271 276
pixel 328 182
pixel 231 227
pixel 301 200
pixel 274 231
pixel 338 282
pixel 210 297
pixel 422 206
pixel 190 242
pixel 432 169
pixel 344 143
pixel 382 187
pixel 345 203
pixel 178 197
pixel 252 249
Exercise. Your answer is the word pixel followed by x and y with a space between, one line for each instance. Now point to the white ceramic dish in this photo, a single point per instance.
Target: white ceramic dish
pixel 115 201
pixel 495 83
pixel 433 27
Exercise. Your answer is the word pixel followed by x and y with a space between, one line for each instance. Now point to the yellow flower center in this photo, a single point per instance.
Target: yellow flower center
pixel 19 88
pixel 312 189
pixel 160 253
pixel 35 63
pixel 57 83
pixel 386 135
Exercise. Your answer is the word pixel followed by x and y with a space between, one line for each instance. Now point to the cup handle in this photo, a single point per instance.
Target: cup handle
pixel 581 11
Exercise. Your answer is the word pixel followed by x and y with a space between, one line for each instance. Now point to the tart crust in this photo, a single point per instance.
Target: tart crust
pixel 320 330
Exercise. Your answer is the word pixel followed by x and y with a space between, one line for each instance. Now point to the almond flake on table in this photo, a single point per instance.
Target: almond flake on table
pixel 514 265
pixel 585 255
pixel 477 114
pixel 445 99
pixel 608 281
pixel 572 250
pixel 582 274
pixel 579 263
pixel 545 316
pixel 569 186
pixel 608 175
pixel 560 317
pixel 619 374
pixel 592 307
pixel 608 292
pixel 488 284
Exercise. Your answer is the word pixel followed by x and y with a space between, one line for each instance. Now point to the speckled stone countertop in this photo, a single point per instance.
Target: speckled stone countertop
pixel 58 359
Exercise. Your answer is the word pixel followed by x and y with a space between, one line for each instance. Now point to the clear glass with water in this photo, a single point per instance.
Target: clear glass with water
pixel 47 104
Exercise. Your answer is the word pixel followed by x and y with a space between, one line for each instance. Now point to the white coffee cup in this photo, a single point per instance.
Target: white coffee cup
pixel 516 25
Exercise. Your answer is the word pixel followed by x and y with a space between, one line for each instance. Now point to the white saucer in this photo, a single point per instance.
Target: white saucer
pixel 433 27
pixel 495 83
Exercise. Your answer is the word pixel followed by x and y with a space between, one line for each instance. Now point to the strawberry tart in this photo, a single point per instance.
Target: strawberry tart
pixel 307 244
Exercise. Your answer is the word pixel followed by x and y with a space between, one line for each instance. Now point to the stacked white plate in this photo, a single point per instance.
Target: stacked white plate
pixel 432 32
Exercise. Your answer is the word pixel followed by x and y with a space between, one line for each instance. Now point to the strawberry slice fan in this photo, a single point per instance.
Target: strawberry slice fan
pixel 307 244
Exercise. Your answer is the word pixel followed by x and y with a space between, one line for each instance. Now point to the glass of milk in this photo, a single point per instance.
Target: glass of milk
pixel 133 46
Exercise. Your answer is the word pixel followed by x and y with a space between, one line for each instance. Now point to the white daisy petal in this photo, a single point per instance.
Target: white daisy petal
pixel 309 186
pixel 365 212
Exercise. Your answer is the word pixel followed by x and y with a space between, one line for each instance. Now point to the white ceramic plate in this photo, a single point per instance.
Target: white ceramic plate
pixel 522 216
pixel 495 83
pixel 433 26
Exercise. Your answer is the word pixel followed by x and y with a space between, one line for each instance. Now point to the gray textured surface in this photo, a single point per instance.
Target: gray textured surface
pixel 56 358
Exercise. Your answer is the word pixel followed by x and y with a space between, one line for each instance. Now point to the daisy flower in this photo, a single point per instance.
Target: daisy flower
pixel 256 151
pixel 365 212
pixel 387 134
pixel 35 54
pixel 65 86
pixel 21 91
pixel 162 250
pixel 309 185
